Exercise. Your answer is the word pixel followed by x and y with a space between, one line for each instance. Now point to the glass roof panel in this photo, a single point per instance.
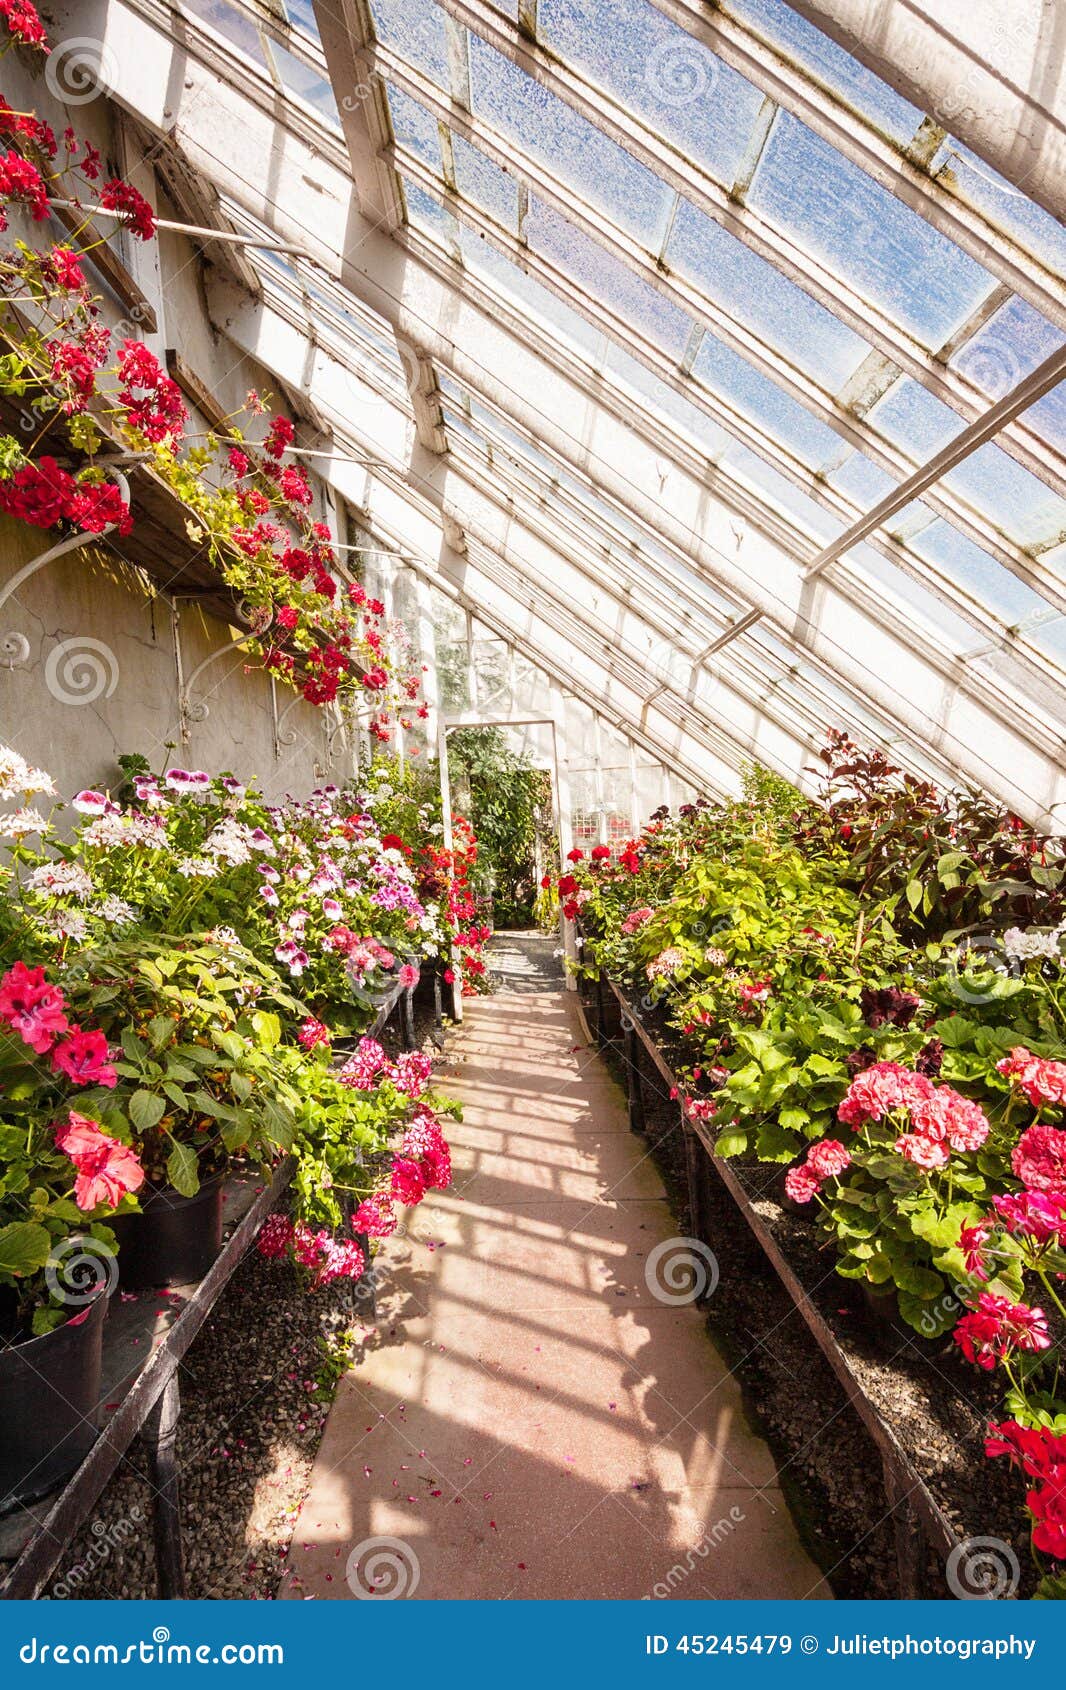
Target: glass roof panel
pixel 1005 351
pixel 762 298
pixel 1005 206
pixel 478 179
pixel 533 299
pixel 916 421
pixel 306 83
pixel 1020 504
pixel 1009 347
pixel 1050 637
pixel 878 245
pixel 660 72
pixel 227 21
pixel 988 581
pixel 672 406
pixel 817 521
pixel 417 33
pixel 605 278
pixel 954 630
pixel 723 371
pixel 427 213
pixel 414 127
pixel 571 148
pixel 856 85
pixel 861 480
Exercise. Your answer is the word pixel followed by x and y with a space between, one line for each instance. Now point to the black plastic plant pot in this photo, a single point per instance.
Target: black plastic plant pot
pixel 49 1398
pixel 173 1240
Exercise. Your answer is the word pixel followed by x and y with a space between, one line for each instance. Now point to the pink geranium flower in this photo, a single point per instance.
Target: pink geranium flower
pixel 997 1327
pixel 375 1216
pixel 313 1032
pixel 89 803
pixel 106 1168
pixel 1039 1158
pixel 1042 1080
pixel 801 1184
pixel 407 1182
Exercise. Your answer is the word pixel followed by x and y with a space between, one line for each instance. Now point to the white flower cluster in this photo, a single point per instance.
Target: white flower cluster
pixel 236 843
pixel 111 831
pixel 1034 942
pixel 116 912
pixel 62 880
pixel 19 777
pixel 22 822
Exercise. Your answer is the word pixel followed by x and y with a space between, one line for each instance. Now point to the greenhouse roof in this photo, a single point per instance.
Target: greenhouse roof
pixel 712 364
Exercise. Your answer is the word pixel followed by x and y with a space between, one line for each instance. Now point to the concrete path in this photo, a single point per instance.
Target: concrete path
pixel 535 1417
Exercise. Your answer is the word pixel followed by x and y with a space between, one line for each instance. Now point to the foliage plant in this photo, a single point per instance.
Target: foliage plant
pixel 506 805
pixel 202 936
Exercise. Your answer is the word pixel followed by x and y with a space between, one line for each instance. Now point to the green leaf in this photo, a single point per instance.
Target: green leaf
pixel 732 1142
pixel 146 1110
pixel 267 1027
pixel 24 1248
pixel 914 893
pixel 183 1170
pixel 135 1048
pixel 160 1029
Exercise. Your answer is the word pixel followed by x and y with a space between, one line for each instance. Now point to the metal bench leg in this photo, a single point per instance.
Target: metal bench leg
pixel 407 1021
pixel 160 1433
pixel 634 1081
pixel 601 1012
pixel 698 1173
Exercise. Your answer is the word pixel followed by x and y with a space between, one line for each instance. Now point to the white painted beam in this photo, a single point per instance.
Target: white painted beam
pixel 990 72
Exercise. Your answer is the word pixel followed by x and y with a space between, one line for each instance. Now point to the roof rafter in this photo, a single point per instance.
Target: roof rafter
pixel 244 322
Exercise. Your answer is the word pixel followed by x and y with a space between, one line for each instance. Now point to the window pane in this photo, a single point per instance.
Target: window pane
pixel 551 132
pixel 884 250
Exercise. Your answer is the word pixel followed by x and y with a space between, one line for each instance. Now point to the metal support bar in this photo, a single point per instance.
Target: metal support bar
pixel 1041 381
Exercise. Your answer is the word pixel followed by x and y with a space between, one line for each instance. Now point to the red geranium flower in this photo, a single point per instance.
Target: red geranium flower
pixel 83 1058
pixel 135 211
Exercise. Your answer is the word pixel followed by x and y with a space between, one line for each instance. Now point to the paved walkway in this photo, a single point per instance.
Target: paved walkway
pixel 531 1420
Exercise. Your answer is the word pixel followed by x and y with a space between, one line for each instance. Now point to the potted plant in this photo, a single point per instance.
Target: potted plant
pixel 199 1091
pixel 62 1176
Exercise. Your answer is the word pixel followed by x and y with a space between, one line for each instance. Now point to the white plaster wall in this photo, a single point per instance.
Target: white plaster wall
pixel 100 678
